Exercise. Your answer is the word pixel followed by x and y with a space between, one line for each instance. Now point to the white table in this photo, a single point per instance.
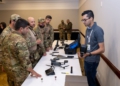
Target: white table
pixel 50 80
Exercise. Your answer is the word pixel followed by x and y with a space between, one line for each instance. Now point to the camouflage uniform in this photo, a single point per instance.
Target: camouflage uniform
pixel 8 30
pixel 69 30
pixel 49 36
pixel 15 58
pixel 40 35
pixel 62 28
pixel 32 46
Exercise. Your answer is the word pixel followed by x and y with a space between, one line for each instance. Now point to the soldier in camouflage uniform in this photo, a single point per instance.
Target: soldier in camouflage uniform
pixel 69 29
pixel 15 58
pixel 32 42
pixel 8 30
pixel 62 28
pixel 49 34
pixel 40 31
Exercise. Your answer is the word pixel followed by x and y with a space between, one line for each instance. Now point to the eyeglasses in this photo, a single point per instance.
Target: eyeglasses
pixel 84 20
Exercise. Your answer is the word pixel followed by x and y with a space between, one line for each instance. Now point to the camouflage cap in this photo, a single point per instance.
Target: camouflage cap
pixel 15 17
pixel 41 20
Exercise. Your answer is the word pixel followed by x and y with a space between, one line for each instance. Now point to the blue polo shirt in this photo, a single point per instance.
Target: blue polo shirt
pixel 97 36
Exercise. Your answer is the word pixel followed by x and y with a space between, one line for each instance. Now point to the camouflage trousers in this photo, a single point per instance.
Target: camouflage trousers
pixel 40 52
pixel 34 57
pixel 68 36
pixel 16 76
pixel 62 36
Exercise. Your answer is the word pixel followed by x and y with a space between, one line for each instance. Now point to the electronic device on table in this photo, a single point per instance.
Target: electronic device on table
pixel 53 64
pixel 71 48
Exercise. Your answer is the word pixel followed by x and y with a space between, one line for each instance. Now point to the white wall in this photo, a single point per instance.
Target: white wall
pixel 57 14
pixel 59 9
pixel 38 4
pixel 107 16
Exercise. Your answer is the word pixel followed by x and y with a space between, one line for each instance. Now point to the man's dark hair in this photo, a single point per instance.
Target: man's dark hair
pixel 21 23
pixel 3 24
pixel 89 13
pixel 48 16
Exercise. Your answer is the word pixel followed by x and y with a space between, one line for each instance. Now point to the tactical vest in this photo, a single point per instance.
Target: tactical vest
pixel 31 35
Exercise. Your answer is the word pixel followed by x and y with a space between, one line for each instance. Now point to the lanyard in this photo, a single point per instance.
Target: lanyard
pixel 90 36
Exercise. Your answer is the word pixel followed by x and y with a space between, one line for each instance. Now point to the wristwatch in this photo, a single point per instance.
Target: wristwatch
pixel 90 54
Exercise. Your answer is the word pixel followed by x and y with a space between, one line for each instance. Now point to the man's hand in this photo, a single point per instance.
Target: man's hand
pixel 85 55
pixel 79 55
pixel 38 41
pixel 34 74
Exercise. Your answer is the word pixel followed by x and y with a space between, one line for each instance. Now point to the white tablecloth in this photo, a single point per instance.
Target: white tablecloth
pixel 50 80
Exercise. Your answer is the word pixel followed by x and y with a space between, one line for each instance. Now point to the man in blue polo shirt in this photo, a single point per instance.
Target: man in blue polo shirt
pixel 94 41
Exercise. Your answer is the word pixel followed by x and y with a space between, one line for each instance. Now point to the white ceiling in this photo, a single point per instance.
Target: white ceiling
pixel 39 4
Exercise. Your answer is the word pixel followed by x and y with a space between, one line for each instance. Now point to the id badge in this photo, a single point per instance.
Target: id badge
pixel 88 46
